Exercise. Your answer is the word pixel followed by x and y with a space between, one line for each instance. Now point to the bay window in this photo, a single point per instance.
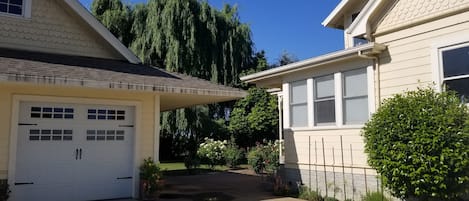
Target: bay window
pixel 339 99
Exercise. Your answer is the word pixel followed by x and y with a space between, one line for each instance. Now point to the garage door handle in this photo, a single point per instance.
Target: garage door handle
pixel 128 126
pixel 23 183
pixel 26 124
pixel 80 153
pixel 76 154
pixel 124 177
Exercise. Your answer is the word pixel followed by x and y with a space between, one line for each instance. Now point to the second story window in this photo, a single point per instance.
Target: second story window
pixel 14 7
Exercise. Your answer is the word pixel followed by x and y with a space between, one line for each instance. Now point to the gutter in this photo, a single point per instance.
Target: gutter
pixel 370 48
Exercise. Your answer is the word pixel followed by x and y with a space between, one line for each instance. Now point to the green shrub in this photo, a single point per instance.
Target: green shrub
pixel 374 196
pixel 306 193
pixel 233 154
pixel 211 152
pixel 330 199
pixel 192 162
pixel 150 172
pixel 419 142
pixel 264 157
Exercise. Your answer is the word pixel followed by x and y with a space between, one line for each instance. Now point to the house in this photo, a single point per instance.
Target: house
pixel 390 47
pixel 79 112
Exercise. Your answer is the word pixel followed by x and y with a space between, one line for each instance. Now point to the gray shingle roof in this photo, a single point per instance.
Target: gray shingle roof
pixel 35 67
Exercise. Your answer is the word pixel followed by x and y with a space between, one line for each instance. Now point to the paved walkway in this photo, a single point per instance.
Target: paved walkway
pixel 219 186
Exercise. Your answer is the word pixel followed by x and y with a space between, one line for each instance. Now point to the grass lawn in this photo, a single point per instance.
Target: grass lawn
pixel 178 168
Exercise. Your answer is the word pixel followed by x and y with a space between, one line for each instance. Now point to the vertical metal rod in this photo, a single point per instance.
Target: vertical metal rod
pixel 333 170
pixel 351 170
pixel 309 158
pixel 343 165
pixel 366 182
pixel 324 164
pixel 316 164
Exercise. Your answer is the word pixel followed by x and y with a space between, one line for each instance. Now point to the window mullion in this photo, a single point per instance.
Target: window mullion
pixel 338 99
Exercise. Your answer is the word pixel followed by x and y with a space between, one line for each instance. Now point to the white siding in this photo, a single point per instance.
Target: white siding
pixel 408 62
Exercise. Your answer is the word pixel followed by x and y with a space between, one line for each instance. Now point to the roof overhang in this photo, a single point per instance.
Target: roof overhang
pixel 102 31
pixel 336 19
pixel 366 50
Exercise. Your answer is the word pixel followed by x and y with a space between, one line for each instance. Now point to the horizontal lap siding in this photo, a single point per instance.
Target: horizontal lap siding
pixel 408 63
pixel 300 152
pixel 53 28
pixel 7 91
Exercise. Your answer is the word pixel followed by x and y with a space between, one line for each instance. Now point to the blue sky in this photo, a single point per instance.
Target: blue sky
pixel 293 26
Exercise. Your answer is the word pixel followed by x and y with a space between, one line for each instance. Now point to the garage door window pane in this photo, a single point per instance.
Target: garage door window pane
pixel 324 100
pixel 298 104
pixel 355 100
pixel 52 112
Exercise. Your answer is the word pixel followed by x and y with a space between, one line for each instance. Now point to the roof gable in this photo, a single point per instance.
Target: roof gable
pixel 405 13
pixel 64 27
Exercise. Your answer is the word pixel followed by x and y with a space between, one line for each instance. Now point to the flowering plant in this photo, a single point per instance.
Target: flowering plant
pixel 265 157
pixel 211 151
pixel 150 174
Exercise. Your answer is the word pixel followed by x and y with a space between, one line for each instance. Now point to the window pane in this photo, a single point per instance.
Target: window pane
pixel 3 8
pixel 456 62
pixel 298 92
pixel 17 2
pixel 461 86
pixel 14 9
pixel 299 115
pixel 356 110
pixel 359 41
pixel 355 83
pixel 325 111
pixel 324 86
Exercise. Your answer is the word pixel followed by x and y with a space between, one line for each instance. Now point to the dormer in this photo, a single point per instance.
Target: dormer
pixel 346 16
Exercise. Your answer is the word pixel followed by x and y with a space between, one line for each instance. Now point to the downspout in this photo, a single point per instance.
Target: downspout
pixel 376 68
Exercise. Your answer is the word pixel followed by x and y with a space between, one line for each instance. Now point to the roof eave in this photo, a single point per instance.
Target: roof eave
pixel 101 30
pixel 335 15
pixel 370 48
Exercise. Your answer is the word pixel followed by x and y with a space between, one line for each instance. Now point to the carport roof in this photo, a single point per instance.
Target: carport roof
pixel 65 70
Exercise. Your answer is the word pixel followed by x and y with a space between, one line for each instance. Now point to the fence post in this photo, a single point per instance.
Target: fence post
pixel 324 165
pixel 343 166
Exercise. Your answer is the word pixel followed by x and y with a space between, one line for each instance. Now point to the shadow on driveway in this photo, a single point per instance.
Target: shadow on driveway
pixel 218 186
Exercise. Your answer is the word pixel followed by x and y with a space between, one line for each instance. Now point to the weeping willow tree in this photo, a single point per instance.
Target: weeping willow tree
pixel 185 36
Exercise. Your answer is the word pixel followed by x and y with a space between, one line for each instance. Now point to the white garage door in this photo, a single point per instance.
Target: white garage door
pixel 74 152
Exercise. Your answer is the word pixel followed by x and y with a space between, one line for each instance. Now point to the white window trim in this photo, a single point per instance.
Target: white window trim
pixel 338 87
pixel 26 12
pixel 444 43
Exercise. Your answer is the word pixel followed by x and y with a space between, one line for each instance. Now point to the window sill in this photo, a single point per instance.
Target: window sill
pixel 13 16
pixel 320 128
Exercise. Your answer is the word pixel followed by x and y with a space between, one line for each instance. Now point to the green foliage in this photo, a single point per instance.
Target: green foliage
pixel 150 172
pixel 330 199
pixel 254 118
pixel 419 142
pixel 233 154
pixel 4 191
pixel 211 151
pixel 306 193
pixel 192 163
pixel 374 196
pixel 184 36
pixel 264 157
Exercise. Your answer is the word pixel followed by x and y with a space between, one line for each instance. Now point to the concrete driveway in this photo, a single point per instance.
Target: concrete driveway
pixel 219 186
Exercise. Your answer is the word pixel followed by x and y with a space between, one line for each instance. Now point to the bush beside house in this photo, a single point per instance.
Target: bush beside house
pixel 419 142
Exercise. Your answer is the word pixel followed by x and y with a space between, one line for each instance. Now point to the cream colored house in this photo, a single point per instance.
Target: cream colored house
pixel 390 47
pixel 78 110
